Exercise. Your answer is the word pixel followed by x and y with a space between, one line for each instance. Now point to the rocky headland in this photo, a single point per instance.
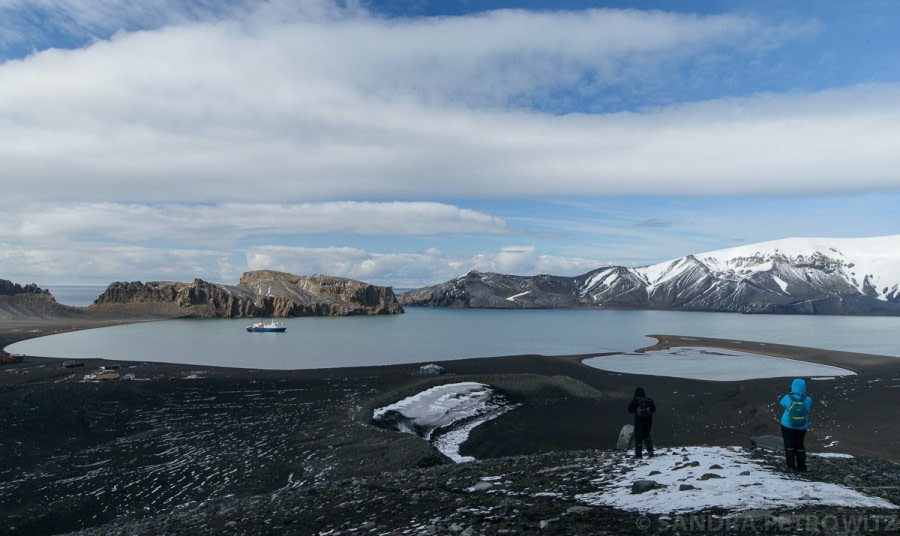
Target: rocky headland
pixel 257 294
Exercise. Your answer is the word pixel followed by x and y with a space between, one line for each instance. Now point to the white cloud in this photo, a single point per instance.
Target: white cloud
pixel 99 264
pixel 406 270
pixel 93 262
pixel 231 223
pixel 303 110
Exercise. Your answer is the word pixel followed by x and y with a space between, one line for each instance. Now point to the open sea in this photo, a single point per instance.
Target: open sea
pixel 428 334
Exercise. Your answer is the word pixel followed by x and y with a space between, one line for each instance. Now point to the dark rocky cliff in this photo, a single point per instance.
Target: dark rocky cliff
pixel 257 294
pixel 8 288
pixel 20 301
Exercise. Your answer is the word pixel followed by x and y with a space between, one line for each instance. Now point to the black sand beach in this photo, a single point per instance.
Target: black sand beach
pixel 77 455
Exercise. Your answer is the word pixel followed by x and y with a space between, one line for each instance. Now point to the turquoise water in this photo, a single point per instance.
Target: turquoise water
pixel 424 334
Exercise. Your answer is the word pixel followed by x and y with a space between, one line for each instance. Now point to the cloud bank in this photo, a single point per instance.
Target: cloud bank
pixel 356 107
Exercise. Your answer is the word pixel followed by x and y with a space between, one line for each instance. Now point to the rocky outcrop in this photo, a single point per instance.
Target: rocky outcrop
pixel 8 288
pixel 29 301
pixel 258 294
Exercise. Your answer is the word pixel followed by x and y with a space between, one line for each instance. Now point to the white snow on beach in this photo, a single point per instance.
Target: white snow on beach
pixel 722 477
pixel 441 407
pixel 713 364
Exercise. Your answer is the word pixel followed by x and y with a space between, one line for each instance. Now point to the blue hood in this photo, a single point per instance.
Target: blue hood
pixel 798 386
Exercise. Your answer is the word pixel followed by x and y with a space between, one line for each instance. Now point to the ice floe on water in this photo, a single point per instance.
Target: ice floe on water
pixel 690 479
pixel 444 414
pixel 712 364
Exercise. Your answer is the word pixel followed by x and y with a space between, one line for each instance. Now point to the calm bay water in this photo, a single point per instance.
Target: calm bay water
pixel 76 295
pixel 424 334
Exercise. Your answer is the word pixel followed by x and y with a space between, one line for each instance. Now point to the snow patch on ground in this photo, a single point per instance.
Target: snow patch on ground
pixel 445 414
pixel 712 364
pixel 721 477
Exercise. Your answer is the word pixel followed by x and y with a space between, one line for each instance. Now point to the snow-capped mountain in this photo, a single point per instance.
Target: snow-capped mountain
pixel 794 275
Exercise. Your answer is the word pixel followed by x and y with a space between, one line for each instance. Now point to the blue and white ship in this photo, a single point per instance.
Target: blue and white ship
pixel 271 327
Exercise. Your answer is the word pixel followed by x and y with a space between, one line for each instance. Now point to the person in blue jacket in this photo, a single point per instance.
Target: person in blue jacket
pixel 794 423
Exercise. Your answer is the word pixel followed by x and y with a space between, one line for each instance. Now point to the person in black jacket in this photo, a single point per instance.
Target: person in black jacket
pixel 643 408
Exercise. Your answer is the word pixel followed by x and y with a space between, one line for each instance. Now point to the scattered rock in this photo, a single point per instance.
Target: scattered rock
pixel 626 438
pixel 643 486
pixel 768 442
pixel 685 487
pixel 481 486
pixel 578 509
pixel 547 522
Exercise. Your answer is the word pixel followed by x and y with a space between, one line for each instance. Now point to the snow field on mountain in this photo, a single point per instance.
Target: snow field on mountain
pixel 877 257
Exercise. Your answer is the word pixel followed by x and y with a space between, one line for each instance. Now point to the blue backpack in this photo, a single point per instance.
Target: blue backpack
pixel 798 415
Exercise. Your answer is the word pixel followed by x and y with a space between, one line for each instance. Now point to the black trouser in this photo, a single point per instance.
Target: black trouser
pixel 794 451
pixel 642 435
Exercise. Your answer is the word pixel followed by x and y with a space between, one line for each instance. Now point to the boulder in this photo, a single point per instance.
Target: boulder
pixel 626 438
pixel 643 486
pixel 768 442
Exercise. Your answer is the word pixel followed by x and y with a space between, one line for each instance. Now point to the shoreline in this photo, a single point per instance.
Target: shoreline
pixel 859 363
pixel 13 330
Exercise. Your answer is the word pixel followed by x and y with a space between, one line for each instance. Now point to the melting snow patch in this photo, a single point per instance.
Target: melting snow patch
pixel 718 477
pixel 445 414
pixel 712 364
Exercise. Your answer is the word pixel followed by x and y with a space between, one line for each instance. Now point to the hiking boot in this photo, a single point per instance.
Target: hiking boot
pixel 790 458
pixel 801 460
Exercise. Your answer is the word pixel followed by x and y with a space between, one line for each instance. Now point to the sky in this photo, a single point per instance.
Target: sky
pixel 407 142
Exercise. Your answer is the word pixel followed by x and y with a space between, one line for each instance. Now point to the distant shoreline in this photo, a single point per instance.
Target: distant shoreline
pixel 855 362
pixel 13 330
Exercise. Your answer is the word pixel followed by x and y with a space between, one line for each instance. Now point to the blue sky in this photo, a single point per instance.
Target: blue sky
pixel 407 142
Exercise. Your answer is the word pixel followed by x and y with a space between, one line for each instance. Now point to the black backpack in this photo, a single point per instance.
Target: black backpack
pixel 643 407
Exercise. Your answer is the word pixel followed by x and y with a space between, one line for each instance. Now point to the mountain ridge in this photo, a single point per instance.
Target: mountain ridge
pixel 788 276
